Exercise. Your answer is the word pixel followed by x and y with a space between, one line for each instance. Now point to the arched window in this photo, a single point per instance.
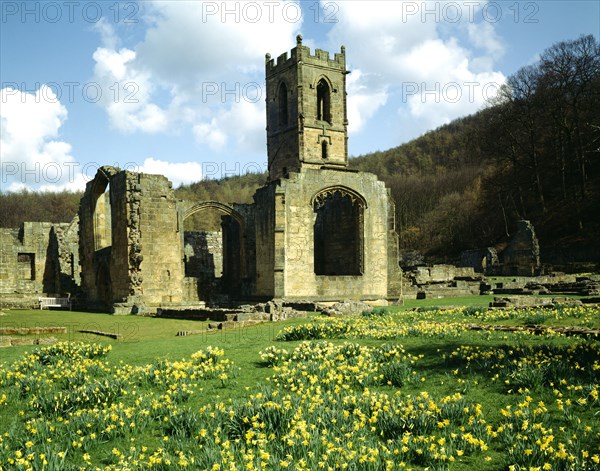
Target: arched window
pixel 323 101
pixel 101 214
pixel 338 233
pixel 324 149
pixel 282 96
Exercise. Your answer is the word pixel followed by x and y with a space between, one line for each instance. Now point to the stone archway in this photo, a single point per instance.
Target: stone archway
pixel 219 266
pixel 217 206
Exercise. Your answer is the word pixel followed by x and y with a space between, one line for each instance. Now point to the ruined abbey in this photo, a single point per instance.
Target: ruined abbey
pixel 316 230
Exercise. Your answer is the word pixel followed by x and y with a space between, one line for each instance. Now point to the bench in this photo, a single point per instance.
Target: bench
pixel 55 302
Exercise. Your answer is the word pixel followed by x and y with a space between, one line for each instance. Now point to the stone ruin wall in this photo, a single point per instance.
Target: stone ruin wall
pixel 203 259
pixel 203 252
pixel 38 258
pixel 161 264
pixel 143 263
pixel 520 258
pixel 132 251
pixel 284 222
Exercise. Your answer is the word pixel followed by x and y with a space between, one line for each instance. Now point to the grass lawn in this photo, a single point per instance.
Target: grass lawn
pixel 479 301
pixel 399 389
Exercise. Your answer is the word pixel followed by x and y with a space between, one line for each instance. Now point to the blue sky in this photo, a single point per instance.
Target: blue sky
pixel 177 87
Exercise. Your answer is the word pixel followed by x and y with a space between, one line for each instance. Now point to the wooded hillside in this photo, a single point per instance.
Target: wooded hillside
pixel 534 153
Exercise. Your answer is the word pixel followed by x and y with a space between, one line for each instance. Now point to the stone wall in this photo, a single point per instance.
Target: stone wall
pixel 143 263
pixel 263 216
pixel 203 256
pixel 441 274
pixel 522 256
pixel 285 245
pixel 95 262
pixel 23 256
pixel 161 267
pixel 481 260
pixel 266 250
pixel 39 258
pixel 203 252
pixel 303 138
pixel 394 274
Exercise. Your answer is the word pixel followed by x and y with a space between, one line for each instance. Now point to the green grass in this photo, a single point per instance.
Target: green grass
pixel 146 338
pixel 493 371
pixel 475 300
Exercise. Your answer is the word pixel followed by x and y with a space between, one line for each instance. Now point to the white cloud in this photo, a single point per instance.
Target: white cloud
pixel 415 60
pixel 210 134
pixel 31 154
pixel 109 39
pixel 243 124
pixel 182 74
pixel 127 91
pixel 362 103
pixel 484 36
pixel 191 41
pixel 177 173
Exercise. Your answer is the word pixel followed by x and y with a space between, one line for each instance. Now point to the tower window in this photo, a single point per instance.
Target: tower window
pixel 323 101
pixel 282 96
pixel 324 149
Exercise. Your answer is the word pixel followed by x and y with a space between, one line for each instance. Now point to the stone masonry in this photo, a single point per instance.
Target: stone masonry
pixel 522 256
pixel 317 231
pixel 132 253
pixel 322 231
pixel 38 258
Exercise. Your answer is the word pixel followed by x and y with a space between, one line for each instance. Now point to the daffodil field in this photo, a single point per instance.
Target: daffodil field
pixel 382 390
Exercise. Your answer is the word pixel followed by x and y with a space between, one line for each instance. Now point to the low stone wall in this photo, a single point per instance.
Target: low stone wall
pixel 442 274
pixel 6 341
pixel 19 301
pixel 32 330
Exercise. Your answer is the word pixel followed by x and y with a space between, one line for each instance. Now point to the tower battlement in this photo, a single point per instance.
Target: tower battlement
pixel 302 53
pixel 306 110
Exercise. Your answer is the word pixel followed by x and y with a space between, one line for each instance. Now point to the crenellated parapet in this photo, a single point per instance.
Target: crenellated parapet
pixel 302 53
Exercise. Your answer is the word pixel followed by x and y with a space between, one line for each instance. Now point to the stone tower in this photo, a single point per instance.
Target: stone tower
pixel 306 111
pixel 321 230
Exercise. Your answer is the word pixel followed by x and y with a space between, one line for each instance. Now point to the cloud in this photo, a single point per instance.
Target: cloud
pixel 177 173
pixel 362 103
pixel 199 67
pixel 126 90
pixel 31 154
pixel 484 36
pixel 242 124
pixel 191 41
pixel 409 54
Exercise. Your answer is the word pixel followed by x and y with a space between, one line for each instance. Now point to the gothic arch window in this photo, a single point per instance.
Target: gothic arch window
pixel 282 97
pixel 338 232
pixel 323 101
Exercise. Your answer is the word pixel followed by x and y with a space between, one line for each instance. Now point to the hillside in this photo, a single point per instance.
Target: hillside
pixel 532 154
